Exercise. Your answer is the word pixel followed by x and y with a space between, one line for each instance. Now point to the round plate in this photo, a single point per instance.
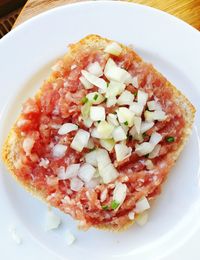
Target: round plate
pixel 27 54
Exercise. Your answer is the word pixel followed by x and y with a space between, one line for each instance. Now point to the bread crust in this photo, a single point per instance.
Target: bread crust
pixel 97 42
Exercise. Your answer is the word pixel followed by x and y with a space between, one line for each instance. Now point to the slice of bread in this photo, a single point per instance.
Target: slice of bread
pixel 12 145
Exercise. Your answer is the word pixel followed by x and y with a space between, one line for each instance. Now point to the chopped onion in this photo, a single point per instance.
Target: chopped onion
pixel 86 83
pixel 59 150
pixel 155 138
pixel 103 159
pixel 142 97
pixel 112 119
pixel 131 215
pixel 137 122
pixel 95 133
pixel 76 184
pixel 136 108
pixel 71 171
pixel 105 129
pixel 149 164
pixel 85 110
pixel 141 205
pixel 122 152
pixel 103 195
pixel 108 144
pixel 70 238
pixel 86 172
pixel 153 105
pixel 108 173
pixel 111 101
pixel 95 69
pixel 113 48
pixel 98 82
pixel 156 115
pixel 144 148
pixel 145 126
pixel 90 144
pixel 97 113
pixel 114 89
pixel 135 135
pixel 95 98
pixel 142 218
pixel 92 183
pixel 80 140
pixel 125 115
pixel 134 82
pixel 126 98
pixel 119 134
pixel 44 162
pixel 67 128
pixel 155 152
pixel 87 122
pixel 28 144
pixel 91 158
pixel 119 193
pixel 52 221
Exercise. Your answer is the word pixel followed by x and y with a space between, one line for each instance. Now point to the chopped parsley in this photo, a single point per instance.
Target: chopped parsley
pixel 126 122
pixel 114 204
pixel 105 207
pixel 95 96
pixel 144 135
pixel 170 139
pixel 135 94
pixel 84 100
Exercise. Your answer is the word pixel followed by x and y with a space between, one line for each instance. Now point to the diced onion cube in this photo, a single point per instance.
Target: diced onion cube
pixel 145 126
pixel 114 89
pixel 95 133
pixel 95 69
pixel 135 135
pixel 85 110
pixel 155 152
pixel 103 159
pixel 98 82
pixel 119 193
pixel 122 152
pixel 76 184
pixel 153 105
pixel 90 144
pixel 80 140
pixel 126 98
pixel 144 148
pixel 142 205
pixel 95 98
pixel 137 123
pixel 108 173
pixel 156 115
pixel 149 164
pixel 97 113
pixel 134 82
pixel 86 172
pixel 86 83
pixel 105 129
pixel 108 144
pixel 119 134
pixel 52 221
pixel 67 128
pixel 91 158
pixel 113 48
pixel 112 119
pixel 111 101
pixel 87 122
pixel 142 218
pixel 131 215
pixel 155 138
pixel 125 115
pixel 59 150
pixel 142 97
pixel 71 171
pixel 136 108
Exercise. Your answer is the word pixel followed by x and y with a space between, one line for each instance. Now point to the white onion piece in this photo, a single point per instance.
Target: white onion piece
pixel 144 148
pixel 28 144
pixel 141 205
pixel 76 184
pixel 149 164
pixel 119 134
pixel 125 115
pixel 67 128
pixel 44 162
pixel 105 129
pixel 153 105
pixel 52 221
pixel 95 69
pixel 92 183
pixel 114 89
pixel 59 150
pixel 136 108
pixel 156 115
pixel 142 218
pixel 91 158
pixel 86 172
pixel 137 123
pixel 98 82
pixel 145 126
pixel 108 173
pixel 142 97
pixel 111 101
pixel 126 98
pixel 103 195
pixel 95 98
pixel 125 128
pixel 135 135
pixel 155 138
pixel 87 122
pixel 80 140
pixel 70 238
pixel 113 48
pixel 112 119
pixel 95 133
pixel 155 151
pixel 97 113
pixel 122 152
pixel 131 215
pixel 134 82
pixel 90 144
pixel 103 159
pixel 119 193
pixel 86 83
pixel 71 171
pixel 108 144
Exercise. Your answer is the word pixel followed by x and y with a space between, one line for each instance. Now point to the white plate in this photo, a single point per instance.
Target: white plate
pixel 26 55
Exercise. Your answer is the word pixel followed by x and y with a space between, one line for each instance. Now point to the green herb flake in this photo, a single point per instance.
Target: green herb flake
pixel 95 96
pixel 105 207
pixel 114 204
pixel 144 135
pixel 84 100
pixel 135 94
pixel 170 139
pixel 126 123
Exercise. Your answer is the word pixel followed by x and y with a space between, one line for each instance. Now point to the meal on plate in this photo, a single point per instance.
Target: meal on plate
pixel 100 136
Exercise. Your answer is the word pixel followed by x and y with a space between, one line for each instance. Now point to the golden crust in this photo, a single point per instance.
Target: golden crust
pixel 97 42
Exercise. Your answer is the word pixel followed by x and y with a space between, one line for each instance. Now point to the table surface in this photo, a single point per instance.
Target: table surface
pixel 187 10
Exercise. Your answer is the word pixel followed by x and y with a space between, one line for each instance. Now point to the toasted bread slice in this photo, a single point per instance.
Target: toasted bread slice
pixel 13 145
